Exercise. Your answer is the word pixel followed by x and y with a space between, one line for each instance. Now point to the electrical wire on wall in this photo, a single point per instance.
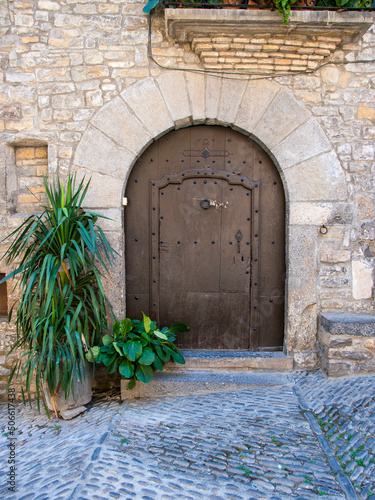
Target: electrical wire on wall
pixel 239 75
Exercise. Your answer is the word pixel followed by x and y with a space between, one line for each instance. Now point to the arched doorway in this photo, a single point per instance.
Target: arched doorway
pixel 205 243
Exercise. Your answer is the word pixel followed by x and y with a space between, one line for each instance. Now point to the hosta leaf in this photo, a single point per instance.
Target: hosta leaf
pixel 160 335
pixel 125 326
pixel 93 353
pixel 147 357
pixel 158 364
pixel 115 345
pixel 132 350
pixel 146 322
pixel 144 373
pixel 179 328
pixel 107 340
pixel 162 355
pixel 126 369
pixel 178 357
pixel 107 359
pixel 112 368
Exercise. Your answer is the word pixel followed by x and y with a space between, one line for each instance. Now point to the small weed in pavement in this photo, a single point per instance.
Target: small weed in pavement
pixel 307 479
pixel 123 440
pixel 245 469
pixel 322 493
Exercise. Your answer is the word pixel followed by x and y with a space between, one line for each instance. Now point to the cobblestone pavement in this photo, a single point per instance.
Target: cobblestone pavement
pixel 307 438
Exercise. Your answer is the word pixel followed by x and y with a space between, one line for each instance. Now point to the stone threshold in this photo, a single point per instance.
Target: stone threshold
pixel 233 360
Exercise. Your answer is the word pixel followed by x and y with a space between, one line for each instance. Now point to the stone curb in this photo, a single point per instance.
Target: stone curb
pixel 342 479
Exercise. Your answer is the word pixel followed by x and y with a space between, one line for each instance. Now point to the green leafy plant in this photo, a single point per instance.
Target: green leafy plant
pixel 60 256
pixel 137 349
pixel 283 8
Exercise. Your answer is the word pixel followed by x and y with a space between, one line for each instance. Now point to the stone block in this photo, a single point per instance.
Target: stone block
pixel 283 115
pixel 212 88
pixel 105 191
pixel 289 152
pixel 146 95
pixel 337 369
pixel 362 325
pixel 174 91
pixel 362 272
pixel 335 256
pixel 319 178
pixel 196 88
pixel 118 123
pixel 256 100
pixel 230 99
pixel 302 310
pixel 96 152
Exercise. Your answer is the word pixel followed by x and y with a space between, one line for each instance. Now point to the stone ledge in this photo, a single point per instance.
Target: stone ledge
pixel 184 24
pixel 362 325
pixel 346 344
pixel 257 40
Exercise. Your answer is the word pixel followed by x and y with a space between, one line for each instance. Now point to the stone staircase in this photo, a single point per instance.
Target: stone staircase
pixel 213 371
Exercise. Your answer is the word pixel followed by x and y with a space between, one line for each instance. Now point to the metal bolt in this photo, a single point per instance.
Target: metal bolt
pixel 256 235
pixel 229 161
pixel 231 189
pixel 274 182
pixel 167 159
pixel 248 218
pixel 271 300
pixel 256 185
pixel 136 239
pixel 273 243
pixel 136 298
pixel 153 232
pixel 198 172
pixel 256 211
pixel 136 180
pixel 230 242
pixel 256 283
pixel 255 307
pixel 153 208
pixel 179 242
pixel 154 281
pixel 162 192
pixel 178 189
pixel 227 175
pixel 247 272
pixel 248 243
pixel 198 161
pixel 215 182
pixel 162 242
pixel 247 194
pixel 194 182
pixel 213 242
pixel 195 242
pixel 153 257
pixel 205 182
pixel 162 216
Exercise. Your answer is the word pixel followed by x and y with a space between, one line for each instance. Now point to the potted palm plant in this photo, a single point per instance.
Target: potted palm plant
pixel 60 256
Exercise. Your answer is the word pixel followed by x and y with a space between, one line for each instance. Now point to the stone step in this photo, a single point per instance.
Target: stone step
pixel 185 382
pixel 233 360
pixel 208 371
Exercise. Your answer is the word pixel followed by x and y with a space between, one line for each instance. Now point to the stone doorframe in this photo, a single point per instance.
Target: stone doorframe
pixel 312 176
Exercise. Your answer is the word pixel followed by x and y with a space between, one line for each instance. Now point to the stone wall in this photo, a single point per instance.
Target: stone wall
pixel 65 61
pixel 347 344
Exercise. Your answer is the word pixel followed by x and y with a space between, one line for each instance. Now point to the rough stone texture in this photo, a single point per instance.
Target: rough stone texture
pixel 344 344
pixel 76 80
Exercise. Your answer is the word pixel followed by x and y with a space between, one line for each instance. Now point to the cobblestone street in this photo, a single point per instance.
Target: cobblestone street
pixel 306 438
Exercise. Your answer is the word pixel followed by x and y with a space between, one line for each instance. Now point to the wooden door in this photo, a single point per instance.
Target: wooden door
pixel 205 239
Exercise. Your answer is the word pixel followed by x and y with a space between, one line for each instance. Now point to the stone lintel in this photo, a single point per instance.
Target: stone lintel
pixel 361 325
pixel 185 24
